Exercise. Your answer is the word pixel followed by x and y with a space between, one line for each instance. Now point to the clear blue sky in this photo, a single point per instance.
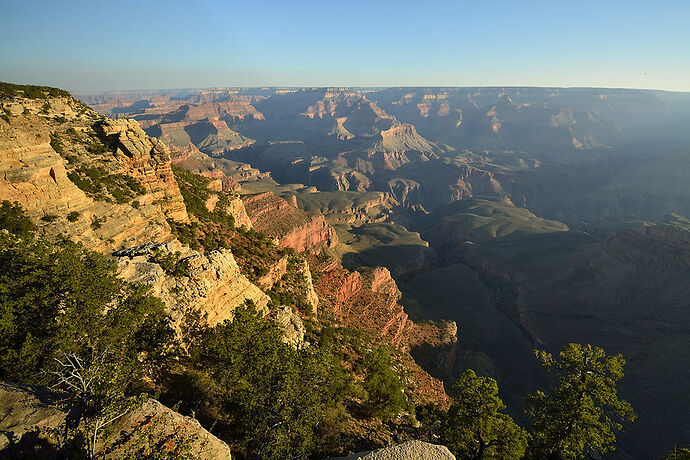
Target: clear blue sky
pixel 95 45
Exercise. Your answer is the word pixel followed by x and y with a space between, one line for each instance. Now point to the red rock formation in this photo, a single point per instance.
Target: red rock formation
pixel 368 301
pixel 287 225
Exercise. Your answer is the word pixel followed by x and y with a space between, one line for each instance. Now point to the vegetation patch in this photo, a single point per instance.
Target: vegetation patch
pixel 195 192
pixel 32 91
pixel 101 185
pixel 292 288
pixel 170 263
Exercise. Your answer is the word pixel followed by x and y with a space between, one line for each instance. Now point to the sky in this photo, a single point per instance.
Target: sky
pixel 96 45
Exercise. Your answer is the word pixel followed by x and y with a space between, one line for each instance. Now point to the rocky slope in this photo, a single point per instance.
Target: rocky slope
pixel 368 301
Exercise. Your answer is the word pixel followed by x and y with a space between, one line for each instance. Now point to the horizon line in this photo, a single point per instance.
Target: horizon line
pixel 317 87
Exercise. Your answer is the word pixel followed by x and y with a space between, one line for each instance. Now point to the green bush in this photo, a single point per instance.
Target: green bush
pixel 277 395
pixel 103 186
pixel 475 426
pixel 97 222
pixel 582 413
pixel 60 297
pixel 73 216
pixel 14 220
pixel 195 192
pixel 170 263
pixel 383 386
pixel 55 143
pixel 32 91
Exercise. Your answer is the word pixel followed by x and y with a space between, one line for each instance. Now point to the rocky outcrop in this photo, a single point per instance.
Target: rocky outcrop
pixel 378 279
pixel 34 420
pixel 368 301
pixel 146 159
pixel 410 450
pixel 210 282
pixel 280 268
pixel 236 209
pixel 473 181
pixel 34 174
pixel 288 226
pixel 275 273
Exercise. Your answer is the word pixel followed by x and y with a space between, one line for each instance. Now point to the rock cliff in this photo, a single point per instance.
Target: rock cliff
pixel 146 159
pixel 368 301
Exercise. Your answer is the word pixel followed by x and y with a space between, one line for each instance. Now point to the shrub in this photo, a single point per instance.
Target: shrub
pixel 14 220
pixel 61 297
pixel 55 143
pixel 97 222
pixel 475 426
pixel 100 185
pixel 383 386
pixel 32 91
pixel 582 413
pixel 277 395
pixel 73 216
pixel 170 263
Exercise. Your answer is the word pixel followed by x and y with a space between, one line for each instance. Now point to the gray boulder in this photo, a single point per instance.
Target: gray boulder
pixel 410 450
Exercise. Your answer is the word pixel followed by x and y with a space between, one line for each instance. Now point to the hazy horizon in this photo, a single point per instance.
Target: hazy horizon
pixel 90 47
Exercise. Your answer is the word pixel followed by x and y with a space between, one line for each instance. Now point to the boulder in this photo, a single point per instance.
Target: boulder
pixel 410 450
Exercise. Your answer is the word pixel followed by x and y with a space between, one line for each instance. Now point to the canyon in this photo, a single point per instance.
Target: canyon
pixel 522 217
pixel 462 227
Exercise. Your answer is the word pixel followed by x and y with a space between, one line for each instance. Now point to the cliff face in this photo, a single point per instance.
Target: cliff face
pixel 287 225
pixel 59 159
pixel 368 301
pixel 210 282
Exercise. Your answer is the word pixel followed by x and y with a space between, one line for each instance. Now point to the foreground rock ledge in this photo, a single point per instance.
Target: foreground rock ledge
pixel 33 425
